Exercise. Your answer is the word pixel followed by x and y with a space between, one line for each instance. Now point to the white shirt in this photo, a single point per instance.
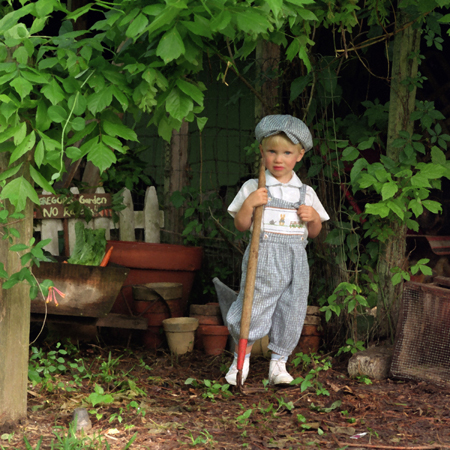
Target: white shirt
pixel 286 191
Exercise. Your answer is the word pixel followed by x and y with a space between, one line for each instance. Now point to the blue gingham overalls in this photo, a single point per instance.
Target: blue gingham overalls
pixel 282 279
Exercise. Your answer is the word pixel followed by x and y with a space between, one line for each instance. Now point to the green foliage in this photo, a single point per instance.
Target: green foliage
pixel 311 380
pixel 211 389
pixel 89 247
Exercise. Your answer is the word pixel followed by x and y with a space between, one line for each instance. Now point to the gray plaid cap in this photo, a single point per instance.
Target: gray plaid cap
pixel 294 128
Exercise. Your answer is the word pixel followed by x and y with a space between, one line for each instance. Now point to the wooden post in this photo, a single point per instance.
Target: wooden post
pixel 102 222
pixel 175 178
pixel 126 218
pixel 401 105
pixel 151 216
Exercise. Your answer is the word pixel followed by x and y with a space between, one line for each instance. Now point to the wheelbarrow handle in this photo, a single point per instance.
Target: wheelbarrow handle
pixel 251 274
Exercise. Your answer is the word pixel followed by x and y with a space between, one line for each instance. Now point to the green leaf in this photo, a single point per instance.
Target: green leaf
pixel 18 191
pixel 53 92
pixel 162 19
pixel 190 89
pixel 252 22
pixel 22 87
pixel 57 114
pixel 40 180
pixel 101 156
pixel 397 210
pixel 26 145
pixel 201 122
pixel 366 181
pixel 335 237
pixel 350 154
pixel 416 207
pixel 178 105
pixel 137 26
pixel 117 129
pixel 100 100
pixel 389 190
pixel 171 46
pixel 10 172
pixel 377 209
pixel 112 142
pixel 431 205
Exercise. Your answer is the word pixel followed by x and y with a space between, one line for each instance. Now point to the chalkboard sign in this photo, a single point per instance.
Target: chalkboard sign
pixel 57 207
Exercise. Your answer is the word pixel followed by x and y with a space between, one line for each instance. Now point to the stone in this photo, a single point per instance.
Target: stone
pixel 374 363
pixel 81 420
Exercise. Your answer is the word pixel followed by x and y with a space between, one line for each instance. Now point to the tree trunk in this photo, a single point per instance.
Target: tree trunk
pixel 402 104
pixel 175 178
pixel 14 322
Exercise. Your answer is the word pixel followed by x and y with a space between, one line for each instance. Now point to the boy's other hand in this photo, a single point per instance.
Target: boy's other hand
pixel 308 214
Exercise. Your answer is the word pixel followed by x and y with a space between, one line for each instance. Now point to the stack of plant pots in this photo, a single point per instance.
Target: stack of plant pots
pixel 312 332
pixel 212 334
pixel 157 302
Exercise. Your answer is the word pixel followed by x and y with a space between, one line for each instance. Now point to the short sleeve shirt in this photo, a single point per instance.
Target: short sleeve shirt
pixel 286 191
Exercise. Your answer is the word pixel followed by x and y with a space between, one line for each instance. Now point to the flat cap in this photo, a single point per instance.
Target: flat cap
pixel 294 128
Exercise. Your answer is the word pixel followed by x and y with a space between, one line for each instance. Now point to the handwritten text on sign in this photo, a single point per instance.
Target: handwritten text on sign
pixel 56 207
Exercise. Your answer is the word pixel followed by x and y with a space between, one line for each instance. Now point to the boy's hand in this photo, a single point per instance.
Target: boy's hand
pixel 258 198
pixel 243 218
pixel 308 214
pixel 312 219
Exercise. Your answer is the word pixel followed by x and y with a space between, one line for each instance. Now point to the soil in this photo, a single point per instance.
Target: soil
pixel 388 414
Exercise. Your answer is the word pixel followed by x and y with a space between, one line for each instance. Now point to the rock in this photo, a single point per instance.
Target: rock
pixel 81 420
pixel 374 363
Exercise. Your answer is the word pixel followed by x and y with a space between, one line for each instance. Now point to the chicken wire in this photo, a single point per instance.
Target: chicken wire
pixel 422 348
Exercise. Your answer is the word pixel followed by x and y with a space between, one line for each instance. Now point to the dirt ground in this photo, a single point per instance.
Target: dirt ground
pixel 170 414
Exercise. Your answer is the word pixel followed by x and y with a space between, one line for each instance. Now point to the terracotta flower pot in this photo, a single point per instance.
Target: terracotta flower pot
pixel 208 314
pixel 214 338
pixel 180 332
pixel 153 263
pixel 157 302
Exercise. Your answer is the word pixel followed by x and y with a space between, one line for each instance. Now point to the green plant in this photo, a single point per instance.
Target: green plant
pixel 212 389
pixel 311 380
pixel 243 419
pixel 351 347
pixel 99 396
pixel 205 438
pixel 44 367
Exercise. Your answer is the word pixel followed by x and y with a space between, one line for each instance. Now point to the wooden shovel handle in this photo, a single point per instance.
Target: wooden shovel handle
pixel 251 273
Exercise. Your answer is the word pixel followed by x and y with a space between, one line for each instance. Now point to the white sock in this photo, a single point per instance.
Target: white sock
pixel 247 355
pixel 276 357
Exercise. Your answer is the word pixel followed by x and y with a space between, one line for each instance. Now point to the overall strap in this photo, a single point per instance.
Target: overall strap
pixel 302 194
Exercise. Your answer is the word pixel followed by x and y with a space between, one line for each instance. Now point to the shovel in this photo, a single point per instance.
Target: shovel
pixel 250 281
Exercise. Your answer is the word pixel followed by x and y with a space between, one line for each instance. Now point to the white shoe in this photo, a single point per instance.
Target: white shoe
pixel 278 373
pixel 233 371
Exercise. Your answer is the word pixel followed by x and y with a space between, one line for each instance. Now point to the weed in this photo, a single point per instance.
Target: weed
pixel 99 396
pixel 364 379
pixel 243 418
pixel 205 438
pixel 311 380
pixel 212 389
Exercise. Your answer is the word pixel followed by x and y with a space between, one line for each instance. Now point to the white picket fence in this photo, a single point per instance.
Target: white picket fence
pixel 151 220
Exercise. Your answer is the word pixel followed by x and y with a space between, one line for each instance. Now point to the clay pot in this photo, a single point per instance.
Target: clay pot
pixel 180 332
pixel 214 338
pixel 157 302
pixel 209 314
pixel 153 263
pixel 309 341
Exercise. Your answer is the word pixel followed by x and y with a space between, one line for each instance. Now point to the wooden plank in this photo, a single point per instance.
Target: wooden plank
pixel 55 206
pixel 123 321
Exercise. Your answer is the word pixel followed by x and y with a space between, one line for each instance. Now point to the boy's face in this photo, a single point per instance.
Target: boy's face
pixel 280 156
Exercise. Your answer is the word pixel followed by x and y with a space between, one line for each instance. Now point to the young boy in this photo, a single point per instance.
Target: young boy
pixel 292 213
